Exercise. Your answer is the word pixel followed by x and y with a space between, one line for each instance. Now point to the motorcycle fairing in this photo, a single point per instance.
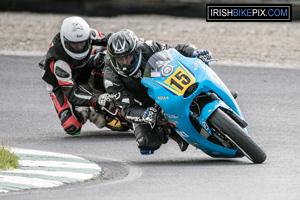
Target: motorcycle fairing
pixel 169 74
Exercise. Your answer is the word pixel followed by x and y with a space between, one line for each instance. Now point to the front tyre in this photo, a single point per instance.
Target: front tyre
pixel 226 125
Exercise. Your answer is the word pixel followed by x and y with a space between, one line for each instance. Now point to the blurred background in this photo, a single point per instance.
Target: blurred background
pixel 28 26
pixel 108 8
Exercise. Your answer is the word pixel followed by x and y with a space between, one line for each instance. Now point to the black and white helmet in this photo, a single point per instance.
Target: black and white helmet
pixel 75 30
pixel 123 44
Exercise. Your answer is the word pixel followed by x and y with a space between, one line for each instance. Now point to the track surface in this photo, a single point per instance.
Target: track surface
pixel 269 98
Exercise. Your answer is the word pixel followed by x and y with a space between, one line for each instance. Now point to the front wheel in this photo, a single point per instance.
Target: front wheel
pixel 227 126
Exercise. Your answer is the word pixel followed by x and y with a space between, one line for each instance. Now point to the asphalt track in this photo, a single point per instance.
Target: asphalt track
pixel 268 97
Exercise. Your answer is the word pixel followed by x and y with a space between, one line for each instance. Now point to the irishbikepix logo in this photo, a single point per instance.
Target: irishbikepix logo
pixel 248 12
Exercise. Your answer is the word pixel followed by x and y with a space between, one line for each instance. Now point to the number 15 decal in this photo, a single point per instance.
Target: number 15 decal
pixel 180 80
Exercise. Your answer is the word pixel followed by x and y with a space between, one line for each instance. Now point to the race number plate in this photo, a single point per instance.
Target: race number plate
pixel 180 80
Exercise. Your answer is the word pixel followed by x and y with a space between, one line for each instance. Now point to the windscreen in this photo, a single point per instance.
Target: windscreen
pixel 158 65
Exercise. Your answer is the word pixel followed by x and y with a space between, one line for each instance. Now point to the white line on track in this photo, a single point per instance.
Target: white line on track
pixel 44 153
pixel 30 181
pixel 79 176
pixel 34 172
pixel 62 164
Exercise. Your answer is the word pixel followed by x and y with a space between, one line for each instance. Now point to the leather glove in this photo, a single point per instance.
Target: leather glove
pixel 203 55
pixel 150 115
pixel 104 100
pixel 99 101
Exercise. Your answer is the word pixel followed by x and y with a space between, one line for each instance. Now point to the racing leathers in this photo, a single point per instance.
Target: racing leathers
pixel 131 95
pixel 63 75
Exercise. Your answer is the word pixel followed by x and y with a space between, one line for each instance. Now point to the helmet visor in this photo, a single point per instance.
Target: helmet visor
pixel 77 47
pixel 127 64
pixel 124 60
pixel 123 63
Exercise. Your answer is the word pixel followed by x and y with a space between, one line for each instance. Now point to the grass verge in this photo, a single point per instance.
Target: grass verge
pixel 8 160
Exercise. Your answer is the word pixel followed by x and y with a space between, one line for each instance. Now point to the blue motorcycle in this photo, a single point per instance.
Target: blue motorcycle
pixel 198 106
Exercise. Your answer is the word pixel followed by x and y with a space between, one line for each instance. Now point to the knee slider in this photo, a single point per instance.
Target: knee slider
pixel 73 130
pixel 72 126
pixel 147 139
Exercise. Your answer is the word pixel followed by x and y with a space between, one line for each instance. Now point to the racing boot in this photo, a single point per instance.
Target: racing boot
pixel 89 113
pixel 114 123
pixel 183 145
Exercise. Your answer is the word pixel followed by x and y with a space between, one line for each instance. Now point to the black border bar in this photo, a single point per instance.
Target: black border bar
pixel 248 12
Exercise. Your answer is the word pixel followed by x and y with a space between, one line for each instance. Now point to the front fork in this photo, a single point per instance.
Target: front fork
pixel 210 107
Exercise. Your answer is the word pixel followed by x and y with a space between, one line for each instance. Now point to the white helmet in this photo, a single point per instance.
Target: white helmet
pixel 75 30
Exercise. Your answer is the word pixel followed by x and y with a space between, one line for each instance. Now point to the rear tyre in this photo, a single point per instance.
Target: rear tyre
pixel 225 124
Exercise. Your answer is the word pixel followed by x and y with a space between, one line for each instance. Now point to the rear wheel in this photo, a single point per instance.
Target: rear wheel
pixel 227 126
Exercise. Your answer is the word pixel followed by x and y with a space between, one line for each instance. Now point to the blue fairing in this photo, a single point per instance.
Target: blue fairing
pixel 168 75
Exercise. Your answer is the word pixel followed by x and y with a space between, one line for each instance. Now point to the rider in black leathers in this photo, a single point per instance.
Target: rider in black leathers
pixel 123 72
